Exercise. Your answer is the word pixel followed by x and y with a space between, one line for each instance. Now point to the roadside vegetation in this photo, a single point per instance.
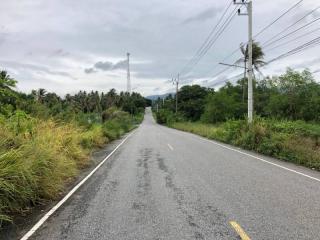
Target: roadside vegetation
pixel 287 115
pixel 46 140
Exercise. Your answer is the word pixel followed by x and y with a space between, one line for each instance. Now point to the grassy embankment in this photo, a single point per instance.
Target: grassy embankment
pixel 293 141
pixel 38 158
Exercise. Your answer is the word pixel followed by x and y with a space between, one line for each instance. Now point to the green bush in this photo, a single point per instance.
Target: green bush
pixel 164 116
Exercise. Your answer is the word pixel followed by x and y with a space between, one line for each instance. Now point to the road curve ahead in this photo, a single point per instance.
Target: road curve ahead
pixel 167 184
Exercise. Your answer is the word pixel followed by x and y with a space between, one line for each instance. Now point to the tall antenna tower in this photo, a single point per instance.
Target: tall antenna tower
pixel 128 74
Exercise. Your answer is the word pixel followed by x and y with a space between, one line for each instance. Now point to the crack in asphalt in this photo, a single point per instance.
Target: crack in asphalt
pixel 203 218
pixel 144 205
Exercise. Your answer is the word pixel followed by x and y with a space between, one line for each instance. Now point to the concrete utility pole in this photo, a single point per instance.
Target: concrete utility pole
pixel 128 74
pixel 250 42
pixel 176 82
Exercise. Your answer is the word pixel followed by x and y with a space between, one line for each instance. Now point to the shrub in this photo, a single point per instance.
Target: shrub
pixel 164 116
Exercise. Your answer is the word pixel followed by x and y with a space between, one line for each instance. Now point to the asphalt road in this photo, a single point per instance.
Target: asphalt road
pixel 167 184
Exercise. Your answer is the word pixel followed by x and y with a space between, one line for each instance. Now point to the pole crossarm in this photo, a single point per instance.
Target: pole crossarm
pixel 232 65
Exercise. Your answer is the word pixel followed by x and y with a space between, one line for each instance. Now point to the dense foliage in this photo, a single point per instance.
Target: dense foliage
pixel 45 140
pixel 287 116
pixel 44 104
pixel 293 96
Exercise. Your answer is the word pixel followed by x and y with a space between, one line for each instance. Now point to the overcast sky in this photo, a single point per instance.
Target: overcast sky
pixel 70 45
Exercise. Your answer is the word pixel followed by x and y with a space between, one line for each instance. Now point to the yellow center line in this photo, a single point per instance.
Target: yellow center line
pixel 239 230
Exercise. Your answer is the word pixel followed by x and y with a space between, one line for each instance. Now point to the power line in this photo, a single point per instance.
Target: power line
pixel 269 25
pixel 222 71
pixel 214 29
pixel 208 38
pixel 290 33
pixel 292 40
pixel 203 50
pixel 211 42
pixel 261 31
pixel 293 24
pixel 277 19
pixel 216 83
pixel 305 46
pixel 312 43
pixel 227 57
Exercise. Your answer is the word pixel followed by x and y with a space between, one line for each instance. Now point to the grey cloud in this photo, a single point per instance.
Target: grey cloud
pixel 36 68
pixel 106 66
pixel 202 16
pixel 89 70
pixel 161 39
pixel 120 65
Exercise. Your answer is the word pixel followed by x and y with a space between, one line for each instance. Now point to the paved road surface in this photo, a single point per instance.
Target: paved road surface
pixel 167 184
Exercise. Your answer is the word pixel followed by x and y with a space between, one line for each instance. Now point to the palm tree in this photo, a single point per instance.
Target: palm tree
pixel 257 60
pixel 41 94
pixel 6 82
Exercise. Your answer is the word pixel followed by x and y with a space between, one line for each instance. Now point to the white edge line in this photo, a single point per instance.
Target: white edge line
pixel 170 147
pixel 260 159
pixel 62 201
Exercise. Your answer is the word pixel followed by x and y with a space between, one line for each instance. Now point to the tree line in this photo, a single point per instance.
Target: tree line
pixel 293 95
pixel 41 103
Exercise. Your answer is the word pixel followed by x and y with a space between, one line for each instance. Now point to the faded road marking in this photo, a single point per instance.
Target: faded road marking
pixel 239 230
pixel 171 148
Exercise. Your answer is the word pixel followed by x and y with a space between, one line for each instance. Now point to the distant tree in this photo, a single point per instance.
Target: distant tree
pixel 41 95
pixel 6 82
pixel 224 104
pixel 8 96
pixel 295 95
pixel 191 101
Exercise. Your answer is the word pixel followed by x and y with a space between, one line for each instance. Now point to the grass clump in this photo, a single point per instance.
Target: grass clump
pixel 293 141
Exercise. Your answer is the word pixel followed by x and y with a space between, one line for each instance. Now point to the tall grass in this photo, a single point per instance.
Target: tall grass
pixel 38 157
pixel 293 141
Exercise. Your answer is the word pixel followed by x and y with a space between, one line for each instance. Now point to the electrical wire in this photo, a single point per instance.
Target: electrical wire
pixel 203 53
pixel 278 18
pixel 301 48
pixel 290 26
pixel 260 32
pixel 312 43
pixel 208 38
pixel 292 40
pixel 210 43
